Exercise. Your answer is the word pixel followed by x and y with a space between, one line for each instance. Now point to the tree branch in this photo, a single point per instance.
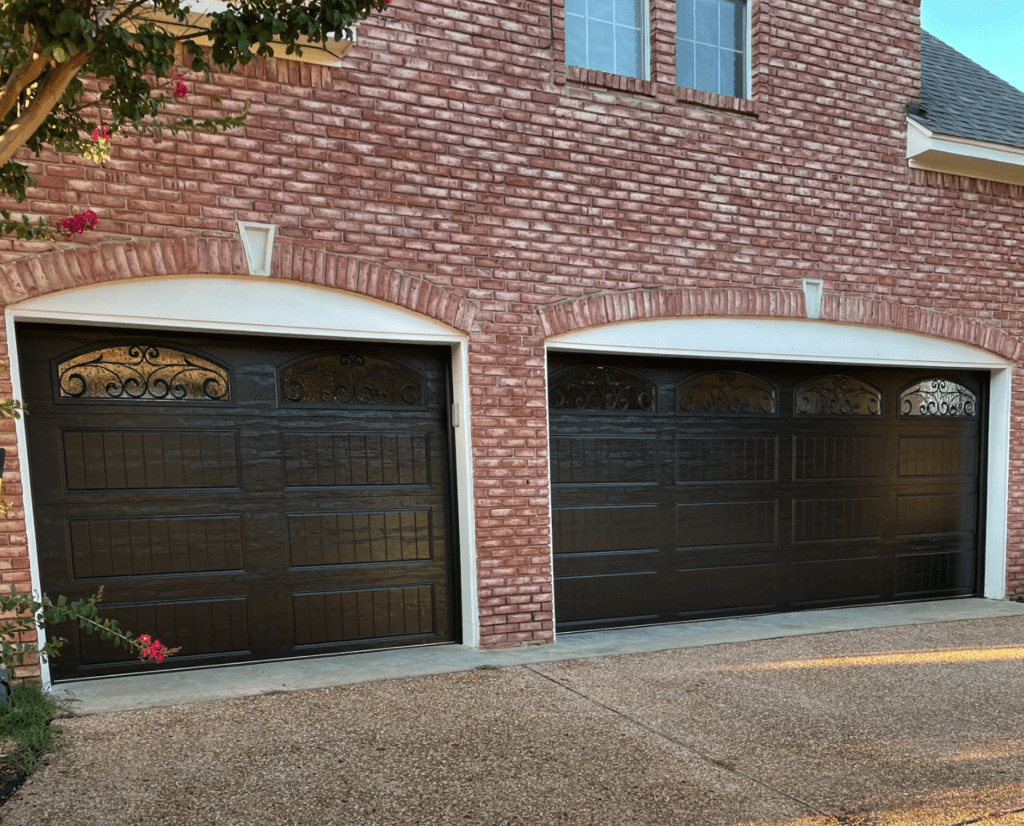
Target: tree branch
pixel 21 78
pixel 46 97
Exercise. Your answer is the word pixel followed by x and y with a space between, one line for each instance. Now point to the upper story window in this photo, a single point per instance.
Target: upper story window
pixel 711 44
pixel 607 35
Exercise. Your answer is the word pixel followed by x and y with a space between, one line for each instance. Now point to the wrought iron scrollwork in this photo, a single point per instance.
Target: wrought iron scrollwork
pixel 937 397
pixel 351 378
pixel 727 392
pixel 596 387
pixel 142 372
pixel 838 396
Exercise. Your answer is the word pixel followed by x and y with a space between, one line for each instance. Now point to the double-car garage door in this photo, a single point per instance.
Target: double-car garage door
pixel 685 489
pixel 241 498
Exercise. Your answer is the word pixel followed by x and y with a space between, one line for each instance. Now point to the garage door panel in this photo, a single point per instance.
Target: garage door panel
pixel 612 528
pixel 830 581
pixel 727 524
pixel 587 460
pixel 726 588
pixel 822 457
pixel 107 548
pixel 704 459
pixel 366 615
pixel 945 572
pixel 98 460
pixel 354 538
pixel 803 499
pixel 356 459
pixel 616 598
pixel 937 456
pixel 203 629
pixel 932 513
pixel 837 518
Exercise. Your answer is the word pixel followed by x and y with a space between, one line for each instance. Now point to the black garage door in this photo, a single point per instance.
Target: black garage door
pixel 241 498
pixel 686 489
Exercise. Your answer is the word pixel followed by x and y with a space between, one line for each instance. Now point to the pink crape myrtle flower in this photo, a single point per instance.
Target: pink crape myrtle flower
pixel 180 89
pixel 77 224
pixel 101 134
pixel 153 649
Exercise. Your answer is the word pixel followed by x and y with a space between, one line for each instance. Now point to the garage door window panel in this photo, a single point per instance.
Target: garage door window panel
pixel 937 397
pixel 601 387
pixel 727 393
pixel 351 379
pixel 142 371
pixel 837 395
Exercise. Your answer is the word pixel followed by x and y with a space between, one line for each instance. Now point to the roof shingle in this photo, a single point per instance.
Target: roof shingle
pixel 961 99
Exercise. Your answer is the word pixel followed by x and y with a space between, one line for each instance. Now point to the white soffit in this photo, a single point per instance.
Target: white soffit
pixel 963 156
pixel 236 303
pixel 777 339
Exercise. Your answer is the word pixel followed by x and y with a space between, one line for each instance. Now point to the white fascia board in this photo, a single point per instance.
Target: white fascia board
pixel 963 156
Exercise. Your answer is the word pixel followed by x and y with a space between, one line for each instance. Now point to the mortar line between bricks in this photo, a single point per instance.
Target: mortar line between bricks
pixel 675 742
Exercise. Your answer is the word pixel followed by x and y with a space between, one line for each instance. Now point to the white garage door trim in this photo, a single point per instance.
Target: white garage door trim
pixel 828 342
pixel 229 304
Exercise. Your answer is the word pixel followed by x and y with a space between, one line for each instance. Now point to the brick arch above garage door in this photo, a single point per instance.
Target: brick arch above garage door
pixel 100 263
pixel 751 302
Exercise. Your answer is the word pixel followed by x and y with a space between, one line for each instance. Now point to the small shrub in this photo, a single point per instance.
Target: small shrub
pixel 26 728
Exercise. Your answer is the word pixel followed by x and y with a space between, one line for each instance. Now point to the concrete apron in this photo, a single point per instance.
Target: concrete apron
pixel 167 687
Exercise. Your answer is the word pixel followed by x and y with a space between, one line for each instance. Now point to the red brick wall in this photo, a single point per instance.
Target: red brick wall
pixel 455 147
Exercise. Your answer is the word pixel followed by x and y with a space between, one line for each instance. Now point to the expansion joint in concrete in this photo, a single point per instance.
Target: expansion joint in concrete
pixel 725 766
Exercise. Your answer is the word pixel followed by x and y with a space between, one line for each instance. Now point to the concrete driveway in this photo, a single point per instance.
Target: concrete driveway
pixel 915 724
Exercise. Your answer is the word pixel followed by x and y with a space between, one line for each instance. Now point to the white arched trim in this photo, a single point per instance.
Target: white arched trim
pixel 230 304
pixel 788 339
pixel 236 304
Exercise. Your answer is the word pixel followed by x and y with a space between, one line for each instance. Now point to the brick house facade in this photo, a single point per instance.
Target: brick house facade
pixel 455 183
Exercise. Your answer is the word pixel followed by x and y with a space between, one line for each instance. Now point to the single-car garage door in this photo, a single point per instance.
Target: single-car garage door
pixel 240 498
pixel 686 489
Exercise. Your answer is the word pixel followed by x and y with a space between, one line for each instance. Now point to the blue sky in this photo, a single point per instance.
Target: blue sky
pixel 989 32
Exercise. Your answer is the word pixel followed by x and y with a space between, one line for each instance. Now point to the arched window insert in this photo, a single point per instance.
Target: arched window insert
pixel 837 396
pixel 723 392
pixel 599 387
pixel 938 397
pixel 142 372
pixel 350 379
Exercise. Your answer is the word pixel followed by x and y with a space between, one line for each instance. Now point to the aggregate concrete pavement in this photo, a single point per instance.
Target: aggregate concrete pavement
pixel 917 724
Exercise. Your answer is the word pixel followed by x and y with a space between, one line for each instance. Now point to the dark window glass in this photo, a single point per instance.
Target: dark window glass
pixel 606 35
pixel 711 42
